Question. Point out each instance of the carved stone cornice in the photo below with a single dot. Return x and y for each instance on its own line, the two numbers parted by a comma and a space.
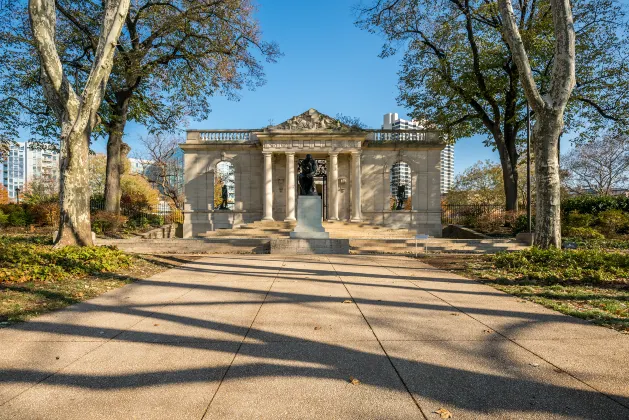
311, 120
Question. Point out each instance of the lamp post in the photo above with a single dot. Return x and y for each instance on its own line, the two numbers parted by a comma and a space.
17, 194
528, 168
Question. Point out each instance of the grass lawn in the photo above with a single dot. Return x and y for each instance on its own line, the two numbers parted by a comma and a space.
35, 278
589, 284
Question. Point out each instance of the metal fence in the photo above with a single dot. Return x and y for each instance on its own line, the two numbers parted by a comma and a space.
471, 215
159, 214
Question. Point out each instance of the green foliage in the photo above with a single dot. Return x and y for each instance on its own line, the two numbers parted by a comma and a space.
478, 184
4, 218
520, 224
551, 265
583, 233
594, 204
19, 217
611, 222
23, 261
574, 219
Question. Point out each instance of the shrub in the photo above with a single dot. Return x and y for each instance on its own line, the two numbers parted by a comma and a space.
520, 224
594, 204
107, 222
19, 217
4, 218
24, 261
611, 222
583, 233
575, 219
45, 213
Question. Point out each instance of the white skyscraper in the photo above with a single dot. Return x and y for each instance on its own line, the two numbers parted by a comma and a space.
23, 164
393, 122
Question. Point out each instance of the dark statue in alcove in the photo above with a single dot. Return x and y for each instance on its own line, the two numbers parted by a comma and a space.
223, 198
401, 197
307, 171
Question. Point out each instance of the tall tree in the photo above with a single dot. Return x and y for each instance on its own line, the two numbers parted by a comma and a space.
549, 112
76, 115
599, 166
458, 72
172, 56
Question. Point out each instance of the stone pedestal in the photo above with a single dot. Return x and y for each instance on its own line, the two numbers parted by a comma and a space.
309, 219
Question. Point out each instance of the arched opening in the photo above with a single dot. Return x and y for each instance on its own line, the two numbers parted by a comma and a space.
401, 187
224, 186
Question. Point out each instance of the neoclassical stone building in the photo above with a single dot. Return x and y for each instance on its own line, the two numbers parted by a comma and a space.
389, 178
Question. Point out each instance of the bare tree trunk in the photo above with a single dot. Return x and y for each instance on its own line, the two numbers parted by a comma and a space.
509, 172
546, 133
114, 171
74, 195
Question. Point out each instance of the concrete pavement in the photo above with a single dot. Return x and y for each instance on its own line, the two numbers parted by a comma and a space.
267, 337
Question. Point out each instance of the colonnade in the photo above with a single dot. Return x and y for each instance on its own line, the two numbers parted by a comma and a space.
333, 187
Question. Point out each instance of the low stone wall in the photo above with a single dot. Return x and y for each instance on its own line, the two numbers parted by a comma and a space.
191, 246
309, 246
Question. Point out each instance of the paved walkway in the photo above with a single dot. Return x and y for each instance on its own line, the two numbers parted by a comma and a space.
266, 337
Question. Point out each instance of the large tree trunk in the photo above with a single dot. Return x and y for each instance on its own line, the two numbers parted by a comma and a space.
509, 163
115, 155
546, 133
113, 171
74, 196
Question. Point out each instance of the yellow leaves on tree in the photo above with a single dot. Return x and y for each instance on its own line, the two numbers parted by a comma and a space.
137, 193
218, 192
4, 195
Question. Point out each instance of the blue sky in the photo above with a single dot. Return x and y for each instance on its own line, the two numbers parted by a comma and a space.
328, 64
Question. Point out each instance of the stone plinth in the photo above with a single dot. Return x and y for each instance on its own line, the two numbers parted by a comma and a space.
309, 219
309, 246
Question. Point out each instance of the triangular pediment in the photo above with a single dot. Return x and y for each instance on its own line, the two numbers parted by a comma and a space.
312, 120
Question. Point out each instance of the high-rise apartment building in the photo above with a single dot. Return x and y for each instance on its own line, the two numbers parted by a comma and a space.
24, 163
393, 122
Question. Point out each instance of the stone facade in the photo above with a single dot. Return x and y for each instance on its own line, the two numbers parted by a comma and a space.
357, 186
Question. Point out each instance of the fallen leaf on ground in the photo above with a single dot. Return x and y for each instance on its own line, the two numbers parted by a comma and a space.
347, 301
443, 413
487, 331
534, 364
353, 381
317, 328
454, 314
155, 325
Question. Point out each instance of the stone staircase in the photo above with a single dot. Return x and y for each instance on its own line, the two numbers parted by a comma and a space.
337, 230
162, 232
434, 245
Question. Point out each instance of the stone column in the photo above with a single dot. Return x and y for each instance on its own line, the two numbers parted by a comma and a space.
268, 186
333, 187
290, 187
356, 216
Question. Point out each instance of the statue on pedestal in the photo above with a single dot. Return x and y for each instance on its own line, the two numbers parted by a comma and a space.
307, 170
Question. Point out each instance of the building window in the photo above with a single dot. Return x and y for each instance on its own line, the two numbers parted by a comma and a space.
401, 187
224, 186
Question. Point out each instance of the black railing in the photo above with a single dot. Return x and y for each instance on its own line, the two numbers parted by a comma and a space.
471, 215
159, 214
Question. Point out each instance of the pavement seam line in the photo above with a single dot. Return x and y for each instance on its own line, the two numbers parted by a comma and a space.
97, 347
510, 339
421, 410
243, 340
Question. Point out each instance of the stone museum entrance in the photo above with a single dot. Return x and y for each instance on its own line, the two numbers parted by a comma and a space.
321, 184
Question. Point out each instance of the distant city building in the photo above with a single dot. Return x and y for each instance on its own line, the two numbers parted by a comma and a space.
393, 122
139, 166
24, 163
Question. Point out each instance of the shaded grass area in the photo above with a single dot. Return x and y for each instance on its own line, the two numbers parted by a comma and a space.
35, 278
588, 284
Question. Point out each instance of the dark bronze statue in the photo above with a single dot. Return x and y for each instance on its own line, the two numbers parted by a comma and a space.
307, 169
223, 198
401, 197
